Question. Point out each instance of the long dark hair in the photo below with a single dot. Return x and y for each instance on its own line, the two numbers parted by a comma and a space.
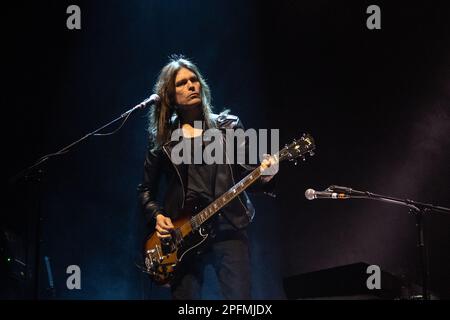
160, 124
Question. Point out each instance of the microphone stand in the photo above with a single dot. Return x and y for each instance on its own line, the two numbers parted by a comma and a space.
418, 209
35, 173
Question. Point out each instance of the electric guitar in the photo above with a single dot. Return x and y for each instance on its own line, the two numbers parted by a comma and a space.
162, 256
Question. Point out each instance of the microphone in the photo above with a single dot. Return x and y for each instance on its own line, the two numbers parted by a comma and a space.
154, 98
312, 194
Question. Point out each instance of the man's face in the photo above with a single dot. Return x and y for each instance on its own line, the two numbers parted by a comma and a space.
187, 88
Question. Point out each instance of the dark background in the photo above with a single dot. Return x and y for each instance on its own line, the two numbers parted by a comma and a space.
376, 101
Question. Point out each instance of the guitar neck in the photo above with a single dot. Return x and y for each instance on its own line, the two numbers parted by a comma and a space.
296, 149
224, 199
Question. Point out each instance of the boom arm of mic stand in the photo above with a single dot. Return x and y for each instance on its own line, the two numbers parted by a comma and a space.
414, 205
26, 172
373, 196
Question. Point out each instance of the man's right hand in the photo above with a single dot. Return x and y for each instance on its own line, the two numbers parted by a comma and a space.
163, 225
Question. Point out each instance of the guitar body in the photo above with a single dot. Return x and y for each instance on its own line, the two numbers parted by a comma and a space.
163, 257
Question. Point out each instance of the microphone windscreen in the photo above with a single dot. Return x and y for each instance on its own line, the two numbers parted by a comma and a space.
155, 98
309, 194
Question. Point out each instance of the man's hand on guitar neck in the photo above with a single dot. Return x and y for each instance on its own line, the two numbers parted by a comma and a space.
270, 167
163, 225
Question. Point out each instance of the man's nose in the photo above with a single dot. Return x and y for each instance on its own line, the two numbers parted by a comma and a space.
191, 85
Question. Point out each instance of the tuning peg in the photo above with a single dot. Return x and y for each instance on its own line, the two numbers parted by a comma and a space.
295, 163
303, 158
311, 153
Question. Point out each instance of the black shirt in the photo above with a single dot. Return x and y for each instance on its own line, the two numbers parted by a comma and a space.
201, 177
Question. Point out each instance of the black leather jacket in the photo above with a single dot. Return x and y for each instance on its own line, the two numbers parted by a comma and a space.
159, 170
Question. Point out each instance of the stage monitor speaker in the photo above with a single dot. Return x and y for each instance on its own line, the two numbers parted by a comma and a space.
347, 282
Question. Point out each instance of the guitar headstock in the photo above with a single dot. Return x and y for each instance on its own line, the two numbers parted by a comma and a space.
299, 148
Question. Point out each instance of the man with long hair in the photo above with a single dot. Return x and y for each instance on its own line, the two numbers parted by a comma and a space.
185, 98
